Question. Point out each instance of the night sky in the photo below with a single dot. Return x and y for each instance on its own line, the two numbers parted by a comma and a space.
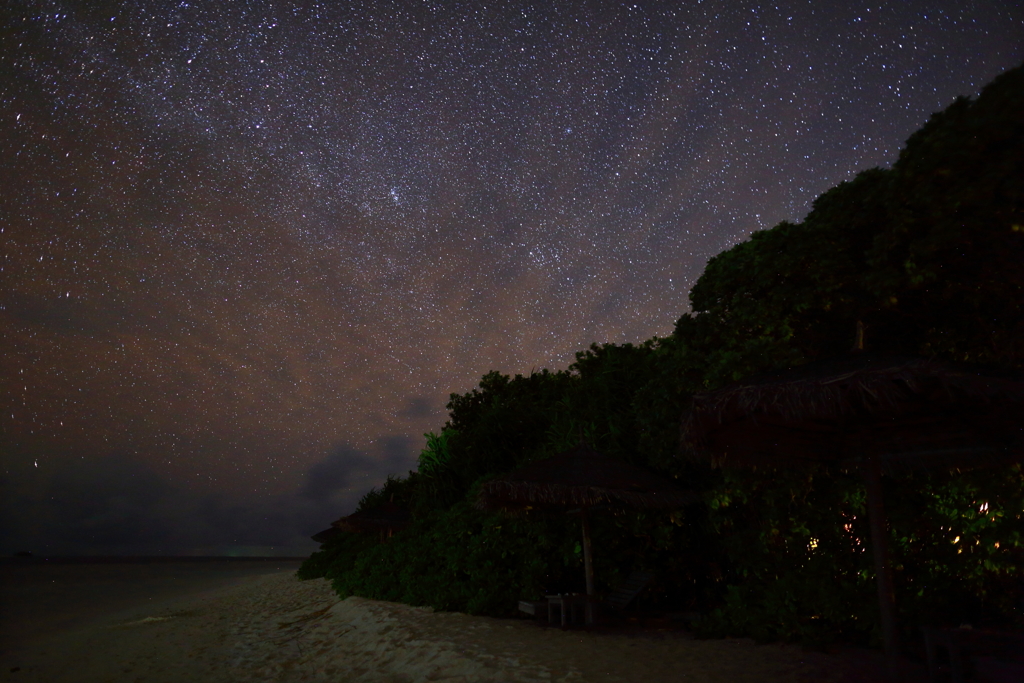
247, 250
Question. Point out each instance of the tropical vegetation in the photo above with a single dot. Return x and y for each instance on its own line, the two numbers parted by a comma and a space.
925, 254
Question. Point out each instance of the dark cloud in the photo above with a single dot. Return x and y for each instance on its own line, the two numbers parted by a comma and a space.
65, 315
326, 478
113, 502
398, 452
108, 505
120, 505
418, 406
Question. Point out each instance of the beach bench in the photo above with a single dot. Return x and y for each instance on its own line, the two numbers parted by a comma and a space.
569, 605
534, 608
620, 598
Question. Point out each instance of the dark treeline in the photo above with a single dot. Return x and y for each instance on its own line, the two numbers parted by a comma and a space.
928, 255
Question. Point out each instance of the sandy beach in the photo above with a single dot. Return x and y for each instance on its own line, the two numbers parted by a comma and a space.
272, 627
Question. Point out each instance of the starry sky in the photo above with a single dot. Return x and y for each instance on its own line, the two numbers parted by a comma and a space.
248, 249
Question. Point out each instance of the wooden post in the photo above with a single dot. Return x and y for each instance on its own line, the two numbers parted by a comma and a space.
883, 567
588, 566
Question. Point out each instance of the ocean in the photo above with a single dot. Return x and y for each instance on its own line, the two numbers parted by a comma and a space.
42, 596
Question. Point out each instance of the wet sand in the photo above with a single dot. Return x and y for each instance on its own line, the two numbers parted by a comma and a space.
272, 627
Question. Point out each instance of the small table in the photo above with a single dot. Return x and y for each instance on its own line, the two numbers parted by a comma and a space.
567, 603
961, 642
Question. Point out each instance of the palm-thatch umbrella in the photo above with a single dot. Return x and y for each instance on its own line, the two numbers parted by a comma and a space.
385, 518
581, 478
869, 412
326, 535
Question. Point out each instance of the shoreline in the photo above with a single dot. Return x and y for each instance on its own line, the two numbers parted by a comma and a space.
44, 598
14, 561
272, 627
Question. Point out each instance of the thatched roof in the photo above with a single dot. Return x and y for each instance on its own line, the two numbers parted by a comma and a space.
384, 517
581, 477
912, 412
325, 535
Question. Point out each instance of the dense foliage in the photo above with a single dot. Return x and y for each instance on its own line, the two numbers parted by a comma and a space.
926, 255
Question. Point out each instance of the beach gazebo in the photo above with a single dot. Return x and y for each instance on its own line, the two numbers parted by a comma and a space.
578, 480
871, 413
385, 519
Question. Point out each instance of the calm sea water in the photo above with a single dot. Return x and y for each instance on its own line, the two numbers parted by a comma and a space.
39, 597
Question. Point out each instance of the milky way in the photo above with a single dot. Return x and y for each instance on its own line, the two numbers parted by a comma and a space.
248, 249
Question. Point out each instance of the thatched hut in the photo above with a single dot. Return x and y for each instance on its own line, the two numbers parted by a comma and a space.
326, 535
385, 519
866, 412
581, 478
915, 413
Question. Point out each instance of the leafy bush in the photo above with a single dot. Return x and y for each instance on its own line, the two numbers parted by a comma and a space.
337, 555
800, 566
462, 559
